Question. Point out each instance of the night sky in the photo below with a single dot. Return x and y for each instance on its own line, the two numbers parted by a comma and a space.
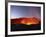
25, 11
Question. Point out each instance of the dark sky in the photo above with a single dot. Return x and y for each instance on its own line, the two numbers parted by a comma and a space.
25, 11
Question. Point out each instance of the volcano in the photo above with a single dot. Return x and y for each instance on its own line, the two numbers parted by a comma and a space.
26, 21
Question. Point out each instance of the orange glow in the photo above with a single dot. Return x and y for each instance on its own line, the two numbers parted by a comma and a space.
27, 21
